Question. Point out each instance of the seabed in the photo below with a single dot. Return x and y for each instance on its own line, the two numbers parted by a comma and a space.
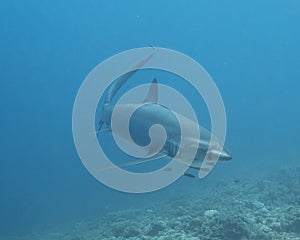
236, 209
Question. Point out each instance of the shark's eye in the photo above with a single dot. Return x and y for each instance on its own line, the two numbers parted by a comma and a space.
212, 155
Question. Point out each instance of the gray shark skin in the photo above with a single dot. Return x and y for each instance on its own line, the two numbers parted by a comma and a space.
151, 113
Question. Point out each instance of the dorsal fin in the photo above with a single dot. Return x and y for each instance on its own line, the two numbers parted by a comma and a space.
152, 96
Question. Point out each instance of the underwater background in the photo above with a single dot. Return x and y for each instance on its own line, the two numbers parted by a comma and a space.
251, 50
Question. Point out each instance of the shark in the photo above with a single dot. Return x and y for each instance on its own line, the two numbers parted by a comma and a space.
151, 112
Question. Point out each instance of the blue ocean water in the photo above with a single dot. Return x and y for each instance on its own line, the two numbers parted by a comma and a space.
250, 48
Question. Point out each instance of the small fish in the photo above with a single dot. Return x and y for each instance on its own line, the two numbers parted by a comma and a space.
236, 181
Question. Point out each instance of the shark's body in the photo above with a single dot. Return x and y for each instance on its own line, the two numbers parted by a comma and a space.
151, 113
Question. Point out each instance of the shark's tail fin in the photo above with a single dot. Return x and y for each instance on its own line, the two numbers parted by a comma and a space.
119, 82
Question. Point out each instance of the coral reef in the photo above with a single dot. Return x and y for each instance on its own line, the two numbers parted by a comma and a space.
240, 209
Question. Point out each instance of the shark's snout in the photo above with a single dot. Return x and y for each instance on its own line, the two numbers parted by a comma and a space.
225, 155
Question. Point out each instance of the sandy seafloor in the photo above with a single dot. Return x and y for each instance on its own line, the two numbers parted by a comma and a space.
251, 208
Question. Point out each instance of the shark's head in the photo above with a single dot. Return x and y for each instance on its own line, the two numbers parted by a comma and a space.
224, 155
217, 150
212, 147
211, 151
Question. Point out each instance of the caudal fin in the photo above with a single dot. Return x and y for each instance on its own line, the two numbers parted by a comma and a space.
119, 82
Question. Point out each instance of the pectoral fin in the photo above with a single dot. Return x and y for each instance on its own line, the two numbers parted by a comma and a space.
136, 162
189, 175
141, 160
